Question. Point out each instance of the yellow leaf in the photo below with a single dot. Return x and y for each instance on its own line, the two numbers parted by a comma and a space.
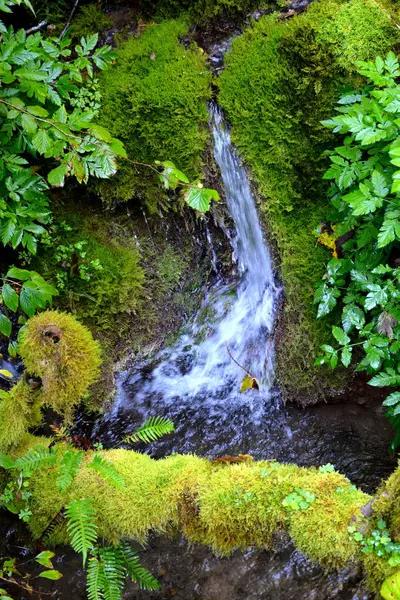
249, 383
6, 373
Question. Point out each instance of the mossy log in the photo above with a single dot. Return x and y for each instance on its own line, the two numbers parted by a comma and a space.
224, 506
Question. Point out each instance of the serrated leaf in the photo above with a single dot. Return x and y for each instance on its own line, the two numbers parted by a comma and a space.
5, 325
340, 335
56, 177
10, 297
200, 198
392, 399
28, 123
346, 356
42, 141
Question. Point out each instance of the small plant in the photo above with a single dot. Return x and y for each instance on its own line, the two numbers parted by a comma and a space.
328, 468
299, 500
378, 542
151, 431
10, 573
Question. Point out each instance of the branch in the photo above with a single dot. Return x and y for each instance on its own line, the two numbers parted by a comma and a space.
70, 19
36, 27
238, 364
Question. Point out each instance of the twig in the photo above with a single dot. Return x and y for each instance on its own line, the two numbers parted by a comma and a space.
36, 27
68, 23
238, 364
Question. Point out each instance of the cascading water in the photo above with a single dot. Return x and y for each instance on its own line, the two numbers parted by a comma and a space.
197, 377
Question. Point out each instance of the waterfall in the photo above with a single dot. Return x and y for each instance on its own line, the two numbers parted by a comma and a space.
195, 382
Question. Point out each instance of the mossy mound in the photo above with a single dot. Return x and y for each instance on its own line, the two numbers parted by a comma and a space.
60, 351
154, 100
281, 79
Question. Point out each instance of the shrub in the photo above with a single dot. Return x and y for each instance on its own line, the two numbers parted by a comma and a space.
280, 81
60, 351
155, 98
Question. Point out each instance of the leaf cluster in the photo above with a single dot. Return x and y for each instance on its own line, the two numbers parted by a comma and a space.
362, 287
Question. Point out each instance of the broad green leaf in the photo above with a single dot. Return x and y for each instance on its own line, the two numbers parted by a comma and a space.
346, 356
42, 141
28, 123
352, 316
390, 589
21, 274
44, 558
56, 177
5, 325
200, 198
10, 297
53, 575
6, 462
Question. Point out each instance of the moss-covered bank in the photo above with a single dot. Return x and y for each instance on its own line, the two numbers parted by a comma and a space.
154, 100
281, 79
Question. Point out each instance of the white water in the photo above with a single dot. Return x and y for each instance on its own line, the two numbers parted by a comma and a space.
198, 370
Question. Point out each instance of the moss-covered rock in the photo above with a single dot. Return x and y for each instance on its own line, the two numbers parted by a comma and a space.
281, 79
19, 410
154, 100
60, 351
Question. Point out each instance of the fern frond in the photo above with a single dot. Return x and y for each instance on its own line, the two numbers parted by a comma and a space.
35, 459
151, 431
114, 572
95, 579
81, 525
106, 469
69, 466
134, 569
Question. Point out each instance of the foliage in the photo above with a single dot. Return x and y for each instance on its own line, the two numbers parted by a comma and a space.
379, 543
81, 526
151, 431
276, 114
106, 469
298, 500
154, 110
22, 292
10, 572
69, 467
60, 351
38, 80
89, 19
365, 201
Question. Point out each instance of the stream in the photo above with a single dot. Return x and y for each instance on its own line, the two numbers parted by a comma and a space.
196, 383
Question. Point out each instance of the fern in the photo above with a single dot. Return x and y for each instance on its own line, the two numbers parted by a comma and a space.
36, 459
106, 469
134, 569
151, 431
114, 572
81, 525
95, 579
69, 467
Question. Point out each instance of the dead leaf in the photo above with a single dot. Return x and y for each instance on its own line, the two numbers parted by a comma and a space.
153, 56
249, 383
386, 323
234, 459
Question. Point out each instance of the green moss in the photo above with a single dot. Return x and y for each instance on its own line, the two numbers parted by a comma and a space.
90, 19
60, 351
18, 412
281, 79
201, 11
223, 506
154, 100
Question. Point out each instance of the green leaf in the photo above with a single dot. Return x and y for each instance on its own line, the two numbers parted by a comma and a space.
28, 123
69, 467
390, 589
392, 399
107, 470
53, 575
5, 325
81, 525
22, 274
10, 297
200, 198
56, 177
346, 356
388, 378
42, 141
352, 316
151, 431
44, 558
340, 336
6, 462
